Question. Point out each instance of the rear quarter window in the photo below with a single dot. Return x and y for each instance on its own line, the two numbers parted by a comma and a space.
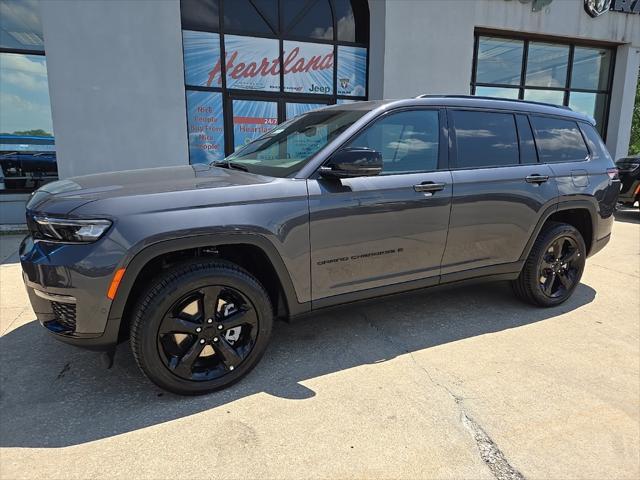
485, 139
595, 143
558, 140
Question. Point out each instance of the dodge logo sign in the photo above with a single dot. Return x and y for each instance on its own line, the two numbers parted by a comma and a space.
596, 8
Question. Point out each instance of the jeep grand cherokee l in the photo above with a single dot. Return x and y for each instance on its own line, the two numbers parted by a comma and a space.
193, 263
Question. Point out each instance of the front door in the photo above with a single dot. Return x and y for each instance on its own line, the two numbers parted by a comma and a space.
370, 232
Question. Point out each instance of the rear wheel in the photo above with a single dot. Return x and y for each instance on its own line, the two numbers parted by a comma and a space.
201, 327
554, 266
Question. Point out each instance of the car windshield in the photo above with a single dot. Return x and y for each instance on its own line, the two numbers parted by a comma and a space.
285, 149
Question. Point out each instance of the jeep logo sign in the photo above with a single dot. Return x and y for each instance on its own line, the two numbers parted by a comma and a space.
595, 8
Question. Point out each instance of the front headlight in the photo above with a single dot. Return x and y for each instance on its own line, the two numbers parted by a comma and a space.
64, 230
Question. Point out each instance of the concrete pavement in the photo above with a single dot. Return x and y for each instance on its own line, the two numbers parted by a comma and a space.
458, 382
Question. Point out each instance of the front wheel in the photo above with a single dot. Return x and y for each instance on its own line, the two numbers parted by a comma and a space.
201, 327
554, 266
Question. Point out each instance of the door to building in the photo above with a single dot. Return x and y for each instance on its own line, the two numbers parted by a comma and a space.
253, 116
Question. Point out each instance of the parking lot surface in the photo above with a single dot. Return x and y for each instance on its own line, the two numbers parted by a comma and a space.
455, 382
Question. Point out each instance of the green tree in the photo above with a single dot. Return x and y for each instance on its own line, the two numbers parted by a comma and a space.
34, 133
634, 144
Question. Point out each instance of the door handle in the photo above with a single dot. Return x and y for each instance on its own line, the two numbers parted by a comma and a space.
535, 178
429, 187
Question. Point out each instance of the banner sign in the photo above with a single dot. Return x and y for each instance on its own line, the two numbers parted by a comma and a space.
206, 126
201, 53
352, 71
252, 119
252, 63
294, 109
308, 67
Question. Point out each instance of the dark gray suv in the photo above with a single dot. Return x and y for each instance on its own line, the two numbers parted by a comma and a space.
349, 202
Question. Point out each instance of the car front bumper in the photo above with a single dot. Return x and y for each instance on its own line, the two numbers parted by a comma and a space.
67, 286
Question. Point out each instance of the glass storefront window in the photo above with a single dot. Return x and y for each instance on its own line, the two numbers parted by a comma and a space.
206, 126
499, 61
308, 68
252, 119
273, 58
317, 22
592, 104
352, 71
293, 109
201, 58
501, 92
27, 145
252, 63
559, 73
555, 97
547, 65
20, 26
591, 68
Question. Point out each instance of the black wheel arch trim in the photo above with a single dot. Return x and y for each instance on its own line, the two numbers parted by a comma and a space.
135, 265
558, 207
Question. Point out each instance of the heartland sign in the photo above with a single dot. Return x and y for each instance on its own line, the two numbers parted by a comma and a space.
595, 8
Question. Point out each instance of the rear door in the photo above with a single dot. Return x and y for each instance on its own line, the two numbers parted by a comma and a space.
370, 232
499, 189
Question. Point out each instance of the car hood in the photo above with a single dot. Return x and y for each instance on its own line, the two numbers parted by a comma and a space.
63, 196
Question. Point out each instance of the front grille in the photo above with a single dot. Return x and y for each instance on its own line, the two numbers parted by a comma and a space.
65, 314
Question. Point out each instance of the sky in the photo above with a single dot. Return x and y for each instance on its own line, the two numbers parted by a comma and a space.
24, 93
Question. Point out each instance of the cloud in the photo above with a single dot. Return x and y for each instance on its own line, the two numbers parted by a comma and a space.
23, 72
19, 113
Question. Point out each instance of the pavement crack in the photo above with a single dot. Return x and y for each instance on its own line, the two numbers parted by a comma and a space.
492, 456
489, 452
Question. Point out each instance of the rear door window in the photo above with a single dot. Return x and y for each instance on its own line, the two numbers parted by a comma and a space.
485, 139
558, 140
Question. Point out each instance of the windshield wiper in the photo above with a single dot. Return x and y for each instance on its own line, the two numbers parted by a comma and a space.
225, 164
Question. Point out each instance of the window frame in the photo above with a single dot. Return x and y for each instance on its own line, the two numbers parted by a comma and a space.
577, 123
566, 90
47, 178
443, 140
281, 36
453, 139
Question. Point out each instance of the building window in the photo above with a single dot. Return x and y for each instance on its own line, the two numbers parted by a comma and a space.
557, 72
233, 51
27, 149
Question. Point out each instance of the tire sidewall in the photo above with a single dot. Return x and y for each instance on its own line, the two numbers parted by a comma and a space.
163, 294
549, 237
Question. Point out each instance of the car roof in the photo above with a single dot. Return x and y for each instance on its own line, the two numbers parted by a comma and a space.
469, 101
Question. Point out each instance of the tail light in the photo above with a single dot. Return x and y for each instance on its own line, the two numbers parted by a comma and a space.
613, 173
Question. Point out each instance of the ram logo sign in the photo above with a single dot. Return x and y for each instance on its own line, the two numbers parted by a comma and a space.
595, 8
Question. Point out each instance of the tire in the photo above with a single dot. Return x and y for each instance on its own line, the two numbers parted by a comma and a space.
187, 331
550, 275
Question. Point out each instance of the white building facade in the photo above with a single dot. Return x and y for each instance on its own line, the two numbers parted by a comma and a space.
136, 83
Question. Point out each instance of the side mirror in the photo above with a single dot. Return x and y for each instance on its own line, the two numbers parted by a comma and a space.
353, 162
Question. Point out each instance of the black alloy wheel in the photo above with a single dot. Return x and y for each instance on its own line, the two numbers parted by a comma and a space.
201, 326
554, 266
559, 267
207, 333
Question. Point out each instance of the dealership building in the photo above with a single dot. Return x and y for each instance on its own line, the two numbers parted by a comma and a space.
95, 86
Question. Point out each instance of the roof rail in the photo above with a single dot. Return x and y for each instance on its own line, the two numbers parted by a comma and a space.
425, 95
